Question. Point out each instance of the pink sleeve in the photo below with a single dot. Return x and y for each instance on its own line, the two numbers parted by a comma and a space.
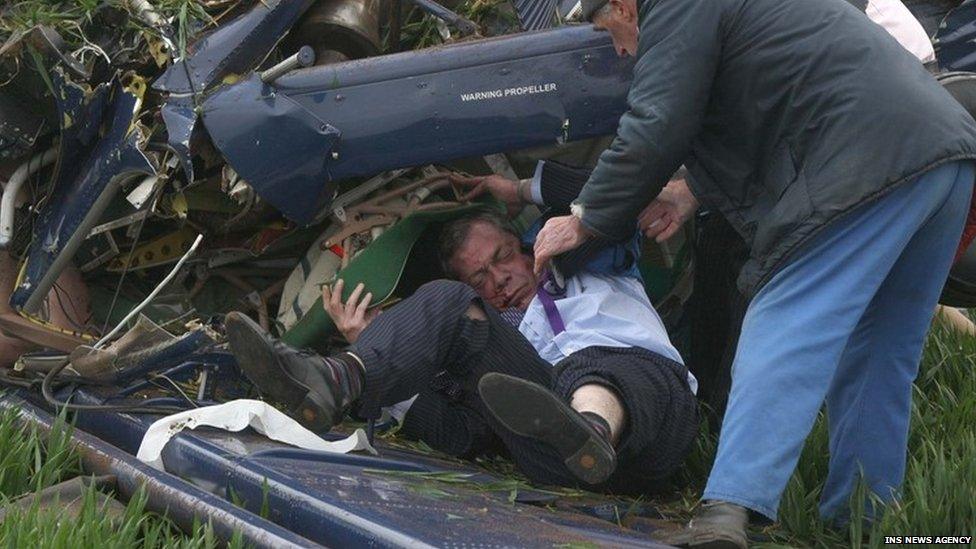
895, 18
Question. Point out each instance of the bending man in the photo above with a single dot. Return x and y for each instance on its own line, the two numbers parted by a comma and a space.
847, 170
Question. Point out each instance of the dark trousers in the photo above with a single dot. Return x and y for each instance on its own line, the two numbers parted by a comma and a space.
716, 310
426, 346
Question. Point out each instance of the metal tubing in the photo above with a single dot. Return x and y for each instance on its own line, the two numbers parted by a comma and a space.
180, 501
305, 57
10, 192
159, 287
36, 300
465, 26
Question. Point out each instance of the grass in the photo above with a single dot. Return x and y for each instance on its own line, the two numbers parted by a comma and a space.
30, 462
420, 29
939, 494
73, 20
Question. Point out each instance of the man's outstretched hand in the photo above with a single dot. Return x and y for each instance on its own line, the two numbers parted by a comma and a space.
352, 317
665, 215
560, 234
504, 190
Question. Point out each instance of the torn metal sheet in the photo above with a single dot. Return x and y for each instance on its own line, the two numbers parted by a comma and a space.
91, 169
234, 48
181, 120
266, 125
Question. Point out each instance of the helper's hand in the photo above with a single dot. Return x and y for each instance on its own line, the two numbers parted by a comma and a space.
504, 190
352, 317
662, 218
560, 234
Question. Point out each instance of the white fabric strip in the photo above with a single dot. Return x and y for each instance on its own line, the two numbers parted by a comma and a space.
236, 416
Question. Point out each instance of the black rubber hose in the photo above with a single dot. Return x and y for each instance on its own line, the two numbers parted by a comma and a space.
51, 399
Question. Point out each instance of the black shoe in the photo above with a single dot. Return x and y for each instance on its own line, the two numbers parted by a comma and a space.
300, 380
530, 410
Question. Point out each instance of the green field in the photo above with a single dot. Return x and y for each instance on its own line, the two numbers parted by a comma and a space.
939, 494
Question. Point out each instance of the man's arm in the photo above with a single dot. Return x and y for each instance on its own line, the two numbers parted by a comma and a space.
553, 185
557, 185
678, 54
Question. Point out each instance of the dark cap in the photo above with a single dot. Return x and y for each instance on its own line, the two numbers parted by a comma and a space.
589, 7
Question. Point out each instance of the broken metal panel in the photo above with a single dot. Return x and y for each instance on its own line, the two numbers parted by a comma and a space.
147, 350
452, 102
180, 120
276, 145
236, 47
87, 180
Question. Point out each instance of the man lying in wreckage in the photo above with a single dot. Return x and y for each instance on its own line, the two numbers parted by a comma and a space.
587, 390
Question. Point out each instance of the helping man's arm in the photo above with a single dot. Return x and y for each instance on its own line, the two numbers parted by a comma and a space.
677, 58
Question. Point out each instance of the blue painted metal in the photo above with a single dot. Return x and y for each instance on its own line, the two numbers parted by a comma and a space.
180, 119
235, 47
141, 363
415, 108
90, 172
377, 501
954, 42
220, 364
293, 146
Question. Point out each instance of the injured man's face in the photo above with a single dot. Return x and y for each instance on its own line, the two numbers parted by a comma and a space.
492, 262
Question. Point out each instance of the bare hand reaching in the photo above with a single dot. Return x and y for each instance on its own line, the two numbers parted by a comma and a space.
497, 186
558, 235
352, 317
665, 215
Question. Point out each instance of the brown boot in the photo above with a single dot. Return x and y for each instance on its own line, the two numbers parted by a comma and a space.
718, 525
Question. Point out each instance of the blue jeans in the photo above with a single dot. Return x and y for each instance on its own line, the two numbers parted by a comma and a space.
845, 321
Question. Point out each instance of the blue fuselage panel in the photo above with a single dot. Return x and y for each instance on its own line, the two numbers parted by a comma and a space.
292, 140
